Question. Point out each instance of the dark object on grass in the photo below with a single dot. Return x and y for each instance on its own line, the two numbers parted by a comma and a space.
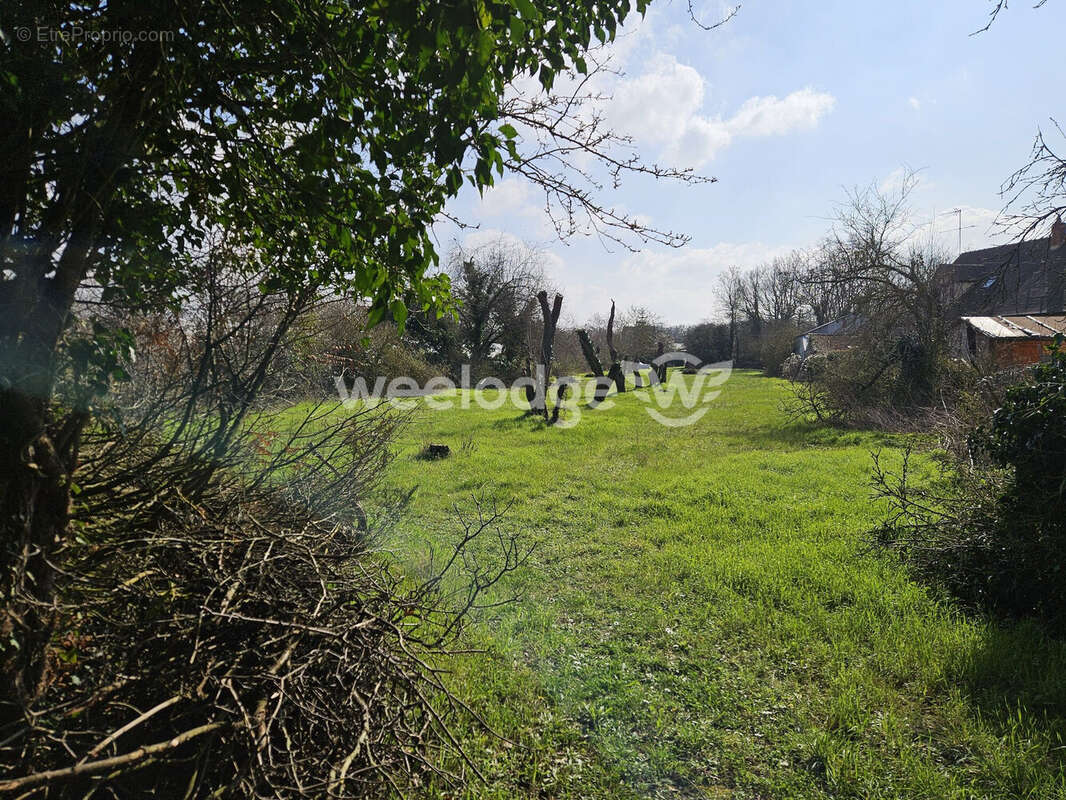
603, 387
660, 365
560, 396
432, 452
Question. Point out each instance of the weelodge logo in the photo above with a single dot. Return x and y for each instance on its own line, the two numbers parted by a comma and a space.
687, 394
694, 395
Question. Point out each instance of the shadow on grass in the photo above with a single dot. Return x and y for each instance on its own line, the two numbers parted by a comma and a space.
1017, 664
525, 419
1015, 679
798, 434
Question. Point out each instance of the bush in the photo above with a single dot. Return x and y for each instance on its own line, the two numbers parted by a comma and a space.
775, 345
792, 367
221, 624
992, 528
844, 387
333, 340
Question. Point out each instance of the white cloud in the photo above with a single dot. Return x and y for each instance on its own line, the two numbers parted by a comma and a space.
510, 196
902, 177
662, 107
770, 116
915, 103
659, 103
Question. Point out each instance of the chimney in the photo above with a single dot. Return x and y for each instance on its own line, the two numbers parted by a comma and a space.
1058, 233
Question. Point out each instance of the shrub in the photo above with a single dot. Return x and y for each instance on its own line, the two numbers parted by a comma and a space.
221, 624
775, 345
992, 528
792, 367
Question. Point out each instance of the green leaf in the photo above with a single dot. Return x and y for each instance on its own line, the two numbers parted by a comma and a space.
526, 9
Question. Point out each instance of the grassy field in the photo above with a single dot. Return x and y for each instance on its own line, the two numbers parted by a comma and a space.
702, 617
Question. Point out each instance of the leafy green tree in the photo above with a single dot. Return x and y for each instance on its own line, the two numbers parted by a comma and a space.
322, 139
709, 341
1028, 433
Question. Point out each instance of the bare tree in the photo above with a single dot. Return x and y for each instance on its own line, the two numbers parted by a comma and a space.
640, 334
1036, 193
730, 294
822, 295
615, 373
751, 298
879, 257
540, 372
781, 287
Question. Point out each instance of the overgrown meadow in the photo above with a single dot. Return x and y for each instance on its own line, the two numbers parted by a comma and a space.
702, 616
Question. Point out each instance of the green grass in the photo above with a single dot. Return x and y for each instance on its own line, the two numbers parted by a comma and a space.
702, 617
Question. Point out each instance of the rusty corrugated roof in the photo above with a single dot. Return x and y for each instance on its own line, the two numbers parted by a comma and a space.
1020, 326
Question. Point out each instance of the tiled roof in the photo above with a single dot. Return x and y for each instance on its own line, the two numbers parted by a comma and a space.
1025, 278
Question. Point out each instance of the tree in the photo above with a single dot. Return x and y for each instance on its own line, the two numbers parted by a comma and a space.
821, 295
1036, 193
781, 287
752, 288
614, 373
640, 334
894, 279
709, 341
731, 295
323, 138
550, 315
495, 288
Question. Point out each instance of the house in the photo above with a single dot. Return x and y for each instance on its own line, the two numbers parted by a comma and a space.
837, 334
1010, 300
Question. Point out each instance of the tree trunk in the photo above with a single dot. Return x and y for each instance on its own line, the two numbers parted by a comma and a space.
551, 319
615, 373
603, 386
659, 368
560, 396
618, 377
610, 336
36, 462
589, 350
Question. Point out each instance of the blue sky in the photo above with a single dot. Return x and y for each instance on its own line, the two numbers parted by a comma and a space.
786, 105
